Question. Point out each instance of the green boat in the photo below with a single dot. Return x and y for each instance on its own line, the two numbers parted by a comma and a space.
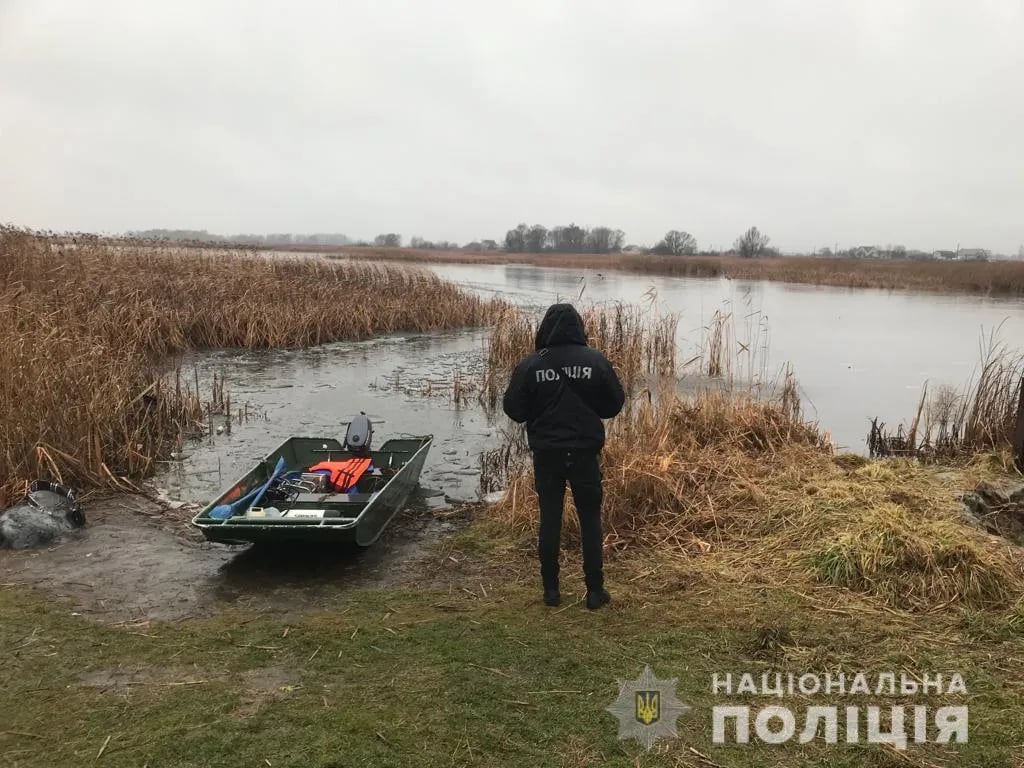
297, 505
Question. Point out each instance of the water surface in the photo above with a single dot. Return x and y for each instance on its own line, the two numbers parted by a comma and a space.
856, 353
312, 392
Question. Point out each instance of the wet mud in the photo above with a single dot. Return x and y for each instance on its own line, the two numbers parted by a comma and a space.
139, 560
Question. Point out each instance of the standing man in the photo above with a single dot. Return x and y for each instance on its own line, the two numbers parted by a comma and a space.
563, 391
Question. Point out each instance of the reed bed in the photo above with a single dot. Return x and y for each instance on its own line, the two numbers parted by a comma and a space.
641, 349
951, 423
991, 278
681, 472
733, 349
86, 329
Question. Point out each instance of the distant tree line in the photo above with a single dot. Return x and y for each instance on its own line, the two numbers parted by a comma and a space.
390, 240
564, 239
573, 239
433, 245
750, 244
202, 236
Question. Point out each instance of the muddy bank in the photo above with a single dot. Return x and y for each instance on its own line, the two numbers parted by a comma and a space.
139, 560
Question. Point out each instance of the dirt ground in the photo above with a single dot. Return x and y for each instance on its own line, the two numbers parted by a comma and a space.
138, 559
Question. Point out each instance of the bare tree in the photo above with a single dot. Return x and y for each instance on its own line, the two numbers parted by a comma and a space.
536, 238
390, 240
677, 243
515, 239
751, 243
604, 240
571, 239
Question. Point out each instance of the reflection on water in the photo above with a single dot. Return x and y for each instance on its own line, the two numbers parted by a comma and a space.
312, 392
857, 353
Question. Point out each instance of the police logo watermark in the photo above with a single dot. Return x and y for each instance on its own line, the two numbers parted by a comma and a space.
647, 708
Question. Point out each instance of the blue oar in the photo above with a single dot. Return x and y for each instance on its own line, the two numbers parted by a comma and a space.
224, 511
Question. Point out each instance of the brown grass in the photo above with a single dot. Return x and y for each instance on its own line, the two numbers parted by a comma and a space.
84, 328
918, 561
742, 488
734, 476
994, 278
681, 473
951, 422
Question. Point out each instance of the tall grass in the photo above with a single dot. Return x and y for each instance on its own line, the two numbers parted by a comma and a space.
86, 328
680, 470
951, 422
733, 349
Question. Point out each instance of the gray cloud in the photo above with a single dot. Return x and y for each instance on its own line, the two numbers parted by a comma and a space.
850, 122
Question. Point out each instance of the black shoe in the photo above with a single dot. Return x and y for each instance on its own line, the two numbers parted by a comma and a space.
552, 597
596, 599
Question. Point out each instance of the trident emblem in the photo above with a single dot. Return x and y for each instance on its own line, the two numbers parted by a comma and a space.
648, 707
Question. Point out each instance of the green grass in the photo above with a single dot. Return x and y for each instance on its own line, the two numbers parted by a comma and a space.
426, 678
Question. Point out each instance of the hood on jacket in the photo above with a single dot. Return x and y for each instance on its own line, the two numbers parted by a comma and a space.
562, 324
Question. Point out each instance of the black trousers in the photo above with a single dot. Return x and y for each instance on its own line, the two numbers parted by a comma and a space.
582, 471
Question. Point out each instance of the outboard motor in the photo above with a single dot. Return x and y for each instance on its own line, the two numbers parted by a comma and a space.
359, 435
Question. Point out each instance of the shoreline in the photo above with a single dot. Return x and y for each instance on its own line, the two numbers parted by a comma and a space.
995, 279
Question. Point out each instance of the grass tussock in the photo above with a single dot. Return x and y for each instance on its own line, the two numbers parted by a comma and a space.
991, 278
917, 562
683, 474
85, 328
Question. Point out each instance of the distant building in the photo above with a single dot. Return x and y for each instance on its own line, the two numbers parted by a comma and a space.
973, 254
943, 254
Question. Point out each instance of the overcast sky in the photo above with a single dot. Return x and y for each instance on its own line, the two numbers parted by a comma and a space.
885, 122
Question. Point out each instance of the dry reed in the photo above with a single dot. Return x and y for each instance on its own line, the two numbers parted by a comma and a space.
85, 328
680, 472
640, 349
948, 423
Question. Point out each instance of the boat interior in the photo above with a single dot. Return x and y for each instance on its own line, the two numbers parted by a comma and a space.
302, 497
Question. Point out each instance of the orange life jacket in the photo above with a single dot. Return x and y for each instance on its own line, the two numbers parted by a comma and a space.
344, 474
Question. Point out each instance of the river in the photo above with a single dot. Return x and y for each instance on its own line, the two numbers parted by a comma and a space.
857, 353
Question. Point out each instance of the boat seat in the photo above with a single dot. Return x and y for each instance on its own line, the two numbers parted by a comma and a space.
333, 498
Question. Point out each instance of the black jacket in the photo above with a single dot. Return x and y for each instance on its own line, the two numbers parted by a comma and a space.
564, 389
